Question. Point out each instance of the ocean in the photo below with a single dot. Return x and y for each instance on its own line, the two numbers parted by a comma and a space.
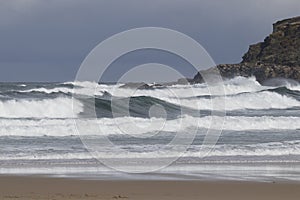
260, 138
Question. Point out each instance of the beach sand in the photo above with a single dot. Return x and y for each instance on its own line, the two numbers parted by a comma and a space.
59, 188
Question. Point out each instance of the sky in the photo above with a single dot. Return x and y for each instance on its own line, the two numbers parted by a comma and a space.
46, 41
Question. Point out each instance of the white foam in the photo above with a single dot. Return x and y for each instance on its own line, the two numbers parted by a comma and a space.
121, 126
284, 148
88, 91
103, 126
48, 108
232, 86
81, 88
87, 84
242, 93
258, 101
262, 149
293, 87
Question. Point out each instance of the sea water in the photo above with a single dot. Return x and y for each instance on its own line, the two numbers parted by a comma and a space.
260, 138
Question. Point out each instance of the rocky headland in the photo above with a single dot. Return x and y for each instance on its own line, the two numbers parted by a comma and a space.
278, 56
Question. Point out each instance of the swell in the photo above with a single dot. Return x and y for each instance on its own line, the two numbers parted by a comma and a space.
138, 126
55, 100
60, 106
233, 86
278, 149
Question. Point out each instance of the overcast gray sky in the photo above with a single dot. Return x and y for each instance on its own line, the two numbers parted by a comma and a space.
46, 40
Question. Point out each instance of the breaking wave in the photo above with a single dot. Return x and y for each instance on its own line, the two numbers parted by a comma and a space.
121, 126
45, 108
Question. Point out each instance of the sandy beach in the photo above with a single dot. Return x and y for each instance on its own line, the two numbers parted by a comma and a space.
58, 188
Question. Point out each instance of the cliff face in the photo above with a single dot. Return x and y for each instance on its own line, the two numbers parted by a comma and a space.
262, 72
277, 56
282, 47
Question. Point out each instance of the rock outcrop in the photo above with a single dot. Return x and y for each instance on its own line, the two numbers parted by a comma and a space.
282, 47
277, 56
261, 71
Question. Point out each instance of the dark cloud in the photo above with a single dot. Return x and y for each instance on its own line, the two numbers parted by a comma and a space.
47, 40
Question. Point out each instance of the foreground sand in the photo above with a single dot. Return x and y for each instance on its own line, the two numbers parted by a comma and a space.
54, 188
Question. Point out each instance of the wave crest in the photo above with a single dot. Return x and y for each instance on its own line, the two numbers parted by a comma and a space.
60, 107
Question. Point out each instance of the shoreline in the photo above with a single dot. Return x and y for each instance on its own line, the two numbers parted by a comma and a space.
258, 172
35, 187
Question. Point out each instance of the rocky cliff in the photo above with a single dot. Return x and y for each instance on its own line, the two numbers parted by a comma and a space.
282, 47
277, 56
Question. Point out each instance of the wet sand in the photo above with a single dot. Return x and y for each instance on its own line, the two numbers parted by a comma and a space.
59, 188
